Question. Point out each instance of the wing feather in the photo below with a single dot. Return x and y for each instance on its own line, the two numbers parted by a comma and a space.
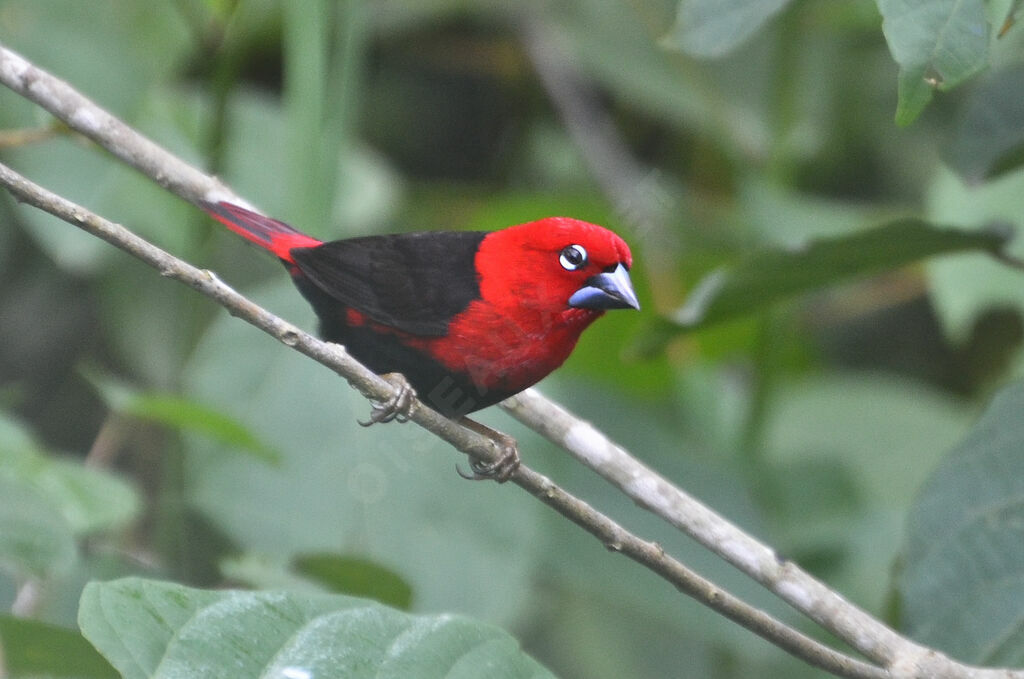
414, 282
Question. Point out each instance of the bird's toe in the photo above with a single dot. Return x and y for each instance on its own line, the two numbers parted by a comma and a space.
399, 407
500, 469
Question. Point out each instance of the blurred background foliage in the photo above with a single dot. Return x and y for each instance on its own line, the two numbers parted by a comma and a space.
144, 432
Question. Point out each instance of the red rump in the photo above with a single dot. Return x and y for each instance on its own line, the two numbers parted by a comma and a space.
469, 318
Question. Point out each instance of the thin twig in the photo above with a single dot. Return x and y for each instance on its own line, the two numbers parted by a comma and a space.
1009, 260
373, 387
784, 578
27, 135
81, 114
108, 441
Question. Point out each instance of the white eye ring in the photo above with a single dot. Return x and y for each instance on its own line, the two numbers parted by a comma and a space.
573, 257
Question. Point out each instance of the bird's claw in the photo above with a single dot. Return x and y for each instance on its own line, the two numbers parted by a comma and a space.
501, 469
398, 408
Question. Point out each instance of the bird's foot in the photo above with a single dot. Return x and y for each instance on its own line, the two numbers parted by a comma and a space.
397, 408
501, 469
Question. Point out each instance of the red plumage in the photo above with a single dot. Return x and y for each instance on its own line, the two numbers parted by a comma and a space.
469, 318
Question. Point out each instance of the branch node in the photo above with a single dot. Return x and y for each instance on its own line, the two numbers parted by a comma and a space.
212, 277
613, 545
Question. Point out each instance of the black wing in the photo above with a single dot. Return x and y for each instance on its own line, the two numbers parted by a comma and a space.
415, 282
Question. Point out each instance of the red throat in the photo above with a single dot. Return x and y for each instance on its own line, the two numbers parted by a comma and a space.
507, 354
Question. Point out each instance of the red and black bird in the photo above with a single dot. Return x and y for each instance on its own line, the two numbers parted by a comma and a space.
468, 318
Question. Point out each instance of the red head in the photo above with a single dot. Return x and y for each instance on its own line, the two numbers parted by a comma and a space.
558, 266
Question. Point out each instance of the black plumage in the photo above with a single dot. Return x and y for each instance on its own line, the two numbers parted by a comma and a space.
394, 280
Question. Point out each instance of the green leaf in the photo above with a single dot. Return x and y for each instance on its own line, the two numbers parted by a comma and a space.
962, 288
35, 539
888, 431
989, 140
88, 499
13, 435
91, 500
713, 28
166, 631
937, 44
962, 584
187, 415
131, 621
781, 215
915, 88
35, 649
180, 413
355, 576
773, 275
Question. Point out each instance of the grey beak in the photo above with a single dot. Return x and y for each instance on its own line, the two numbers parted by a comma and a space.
612, 290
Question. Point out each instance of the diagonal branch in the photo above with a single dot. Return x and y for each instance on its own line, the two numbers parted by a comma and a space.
125, 143
333, 356
902, 657
782, 577
624, 181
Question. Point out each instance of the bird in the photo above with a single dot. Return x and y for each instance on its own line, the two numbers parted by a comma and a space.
459, 319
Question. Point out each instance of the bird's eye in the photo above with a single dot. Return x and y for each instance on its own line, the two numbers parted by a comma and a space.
573, 257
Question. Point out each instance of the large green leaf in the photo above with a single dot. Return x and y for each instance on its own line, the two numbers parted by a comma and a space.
179, 413
35, 540
772, 275
150, 629
961, 288
37, 649
712, 28
188, 415
88, 499
937, 43
355, 576
990, 138
962, 584
46, 501
34, 537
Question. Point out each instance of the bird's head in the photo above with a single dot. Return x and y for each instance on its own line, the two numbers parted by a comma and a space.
557, 265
